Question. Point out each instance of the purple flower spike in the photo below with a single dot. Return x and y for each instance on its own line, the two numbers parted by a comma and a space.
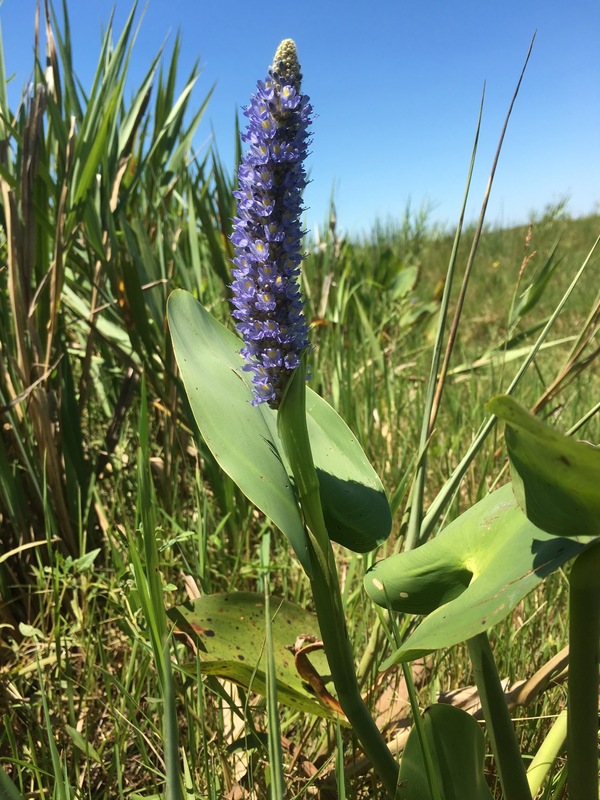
267, 232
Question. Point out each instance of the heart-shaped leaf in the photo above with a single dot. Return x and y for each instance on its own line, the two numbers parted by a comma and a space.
556, 478
457, 748
229, 629
470, 576
245, 442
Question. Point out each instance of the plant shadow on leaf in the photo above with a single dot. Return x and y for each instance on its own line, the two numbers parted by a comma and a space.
555, 477
346, 504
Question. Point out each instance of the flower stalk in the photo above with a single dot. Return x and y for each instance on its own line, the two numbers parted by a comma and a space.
327, 597
267, 237
501, 731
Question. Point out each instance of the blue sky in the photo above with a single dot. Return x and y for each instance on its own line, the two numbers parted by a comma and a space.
396, 88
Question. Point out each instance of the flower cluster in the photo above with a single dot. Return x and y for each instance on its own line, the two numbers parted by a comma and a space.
267, 231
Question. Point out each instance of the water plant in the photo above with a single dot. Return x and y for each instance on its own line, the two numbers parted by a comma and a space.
278, 460
131, 480
466, 579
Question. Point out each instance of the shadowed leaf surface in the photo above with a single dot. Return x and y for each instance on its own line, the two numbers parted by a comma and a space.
556, 479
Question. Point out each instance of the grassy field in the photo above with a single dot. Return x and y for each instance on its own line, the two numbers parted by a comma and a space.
101, 218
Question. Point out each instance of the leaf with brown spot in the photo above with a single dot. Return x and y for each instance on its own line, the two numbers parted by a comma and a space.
228, 631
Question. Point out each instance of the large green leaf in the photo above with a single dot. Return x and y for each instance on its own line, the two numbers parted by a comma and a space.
457, 748
355, 507
470, 576
244, 438
556, 478
230, 632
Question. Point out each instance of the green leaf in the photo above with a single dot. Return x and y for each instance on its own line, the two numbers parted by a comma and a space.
230, 632
404, 282
84, 562
83, 744
89, 154
355, 506
30, 630
243, 438
556, 478
470, 576
245, 441
457, 747
8, 790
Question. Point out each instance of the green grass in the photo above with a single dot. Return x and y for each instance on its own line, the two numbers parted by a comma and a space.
110, 511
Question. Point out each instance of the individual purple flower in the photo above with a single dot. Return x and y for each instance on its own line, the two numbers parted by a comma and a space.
267, 231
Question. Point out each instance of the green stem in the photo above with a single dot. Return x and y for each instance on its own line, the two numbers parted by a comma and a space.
332, 623
547, 753
584, 637
370, 653
325, 585
505, 748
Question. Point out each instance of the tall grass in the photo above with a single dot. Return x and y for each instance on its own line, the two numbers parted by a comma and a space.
107, 504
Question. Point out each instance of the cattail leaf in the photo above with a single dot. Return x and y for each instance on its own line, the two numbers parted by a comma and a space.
556, 478
470, 576
8, 790
203, 203
90, 153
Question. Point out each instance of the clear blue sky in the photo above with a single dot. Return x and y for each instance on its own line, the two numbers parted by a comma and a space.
396, 87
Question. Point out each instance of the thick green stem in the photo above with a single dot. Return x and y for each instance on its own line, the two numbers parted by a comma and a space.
509, 763
332, 622
325, 585
584, 638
